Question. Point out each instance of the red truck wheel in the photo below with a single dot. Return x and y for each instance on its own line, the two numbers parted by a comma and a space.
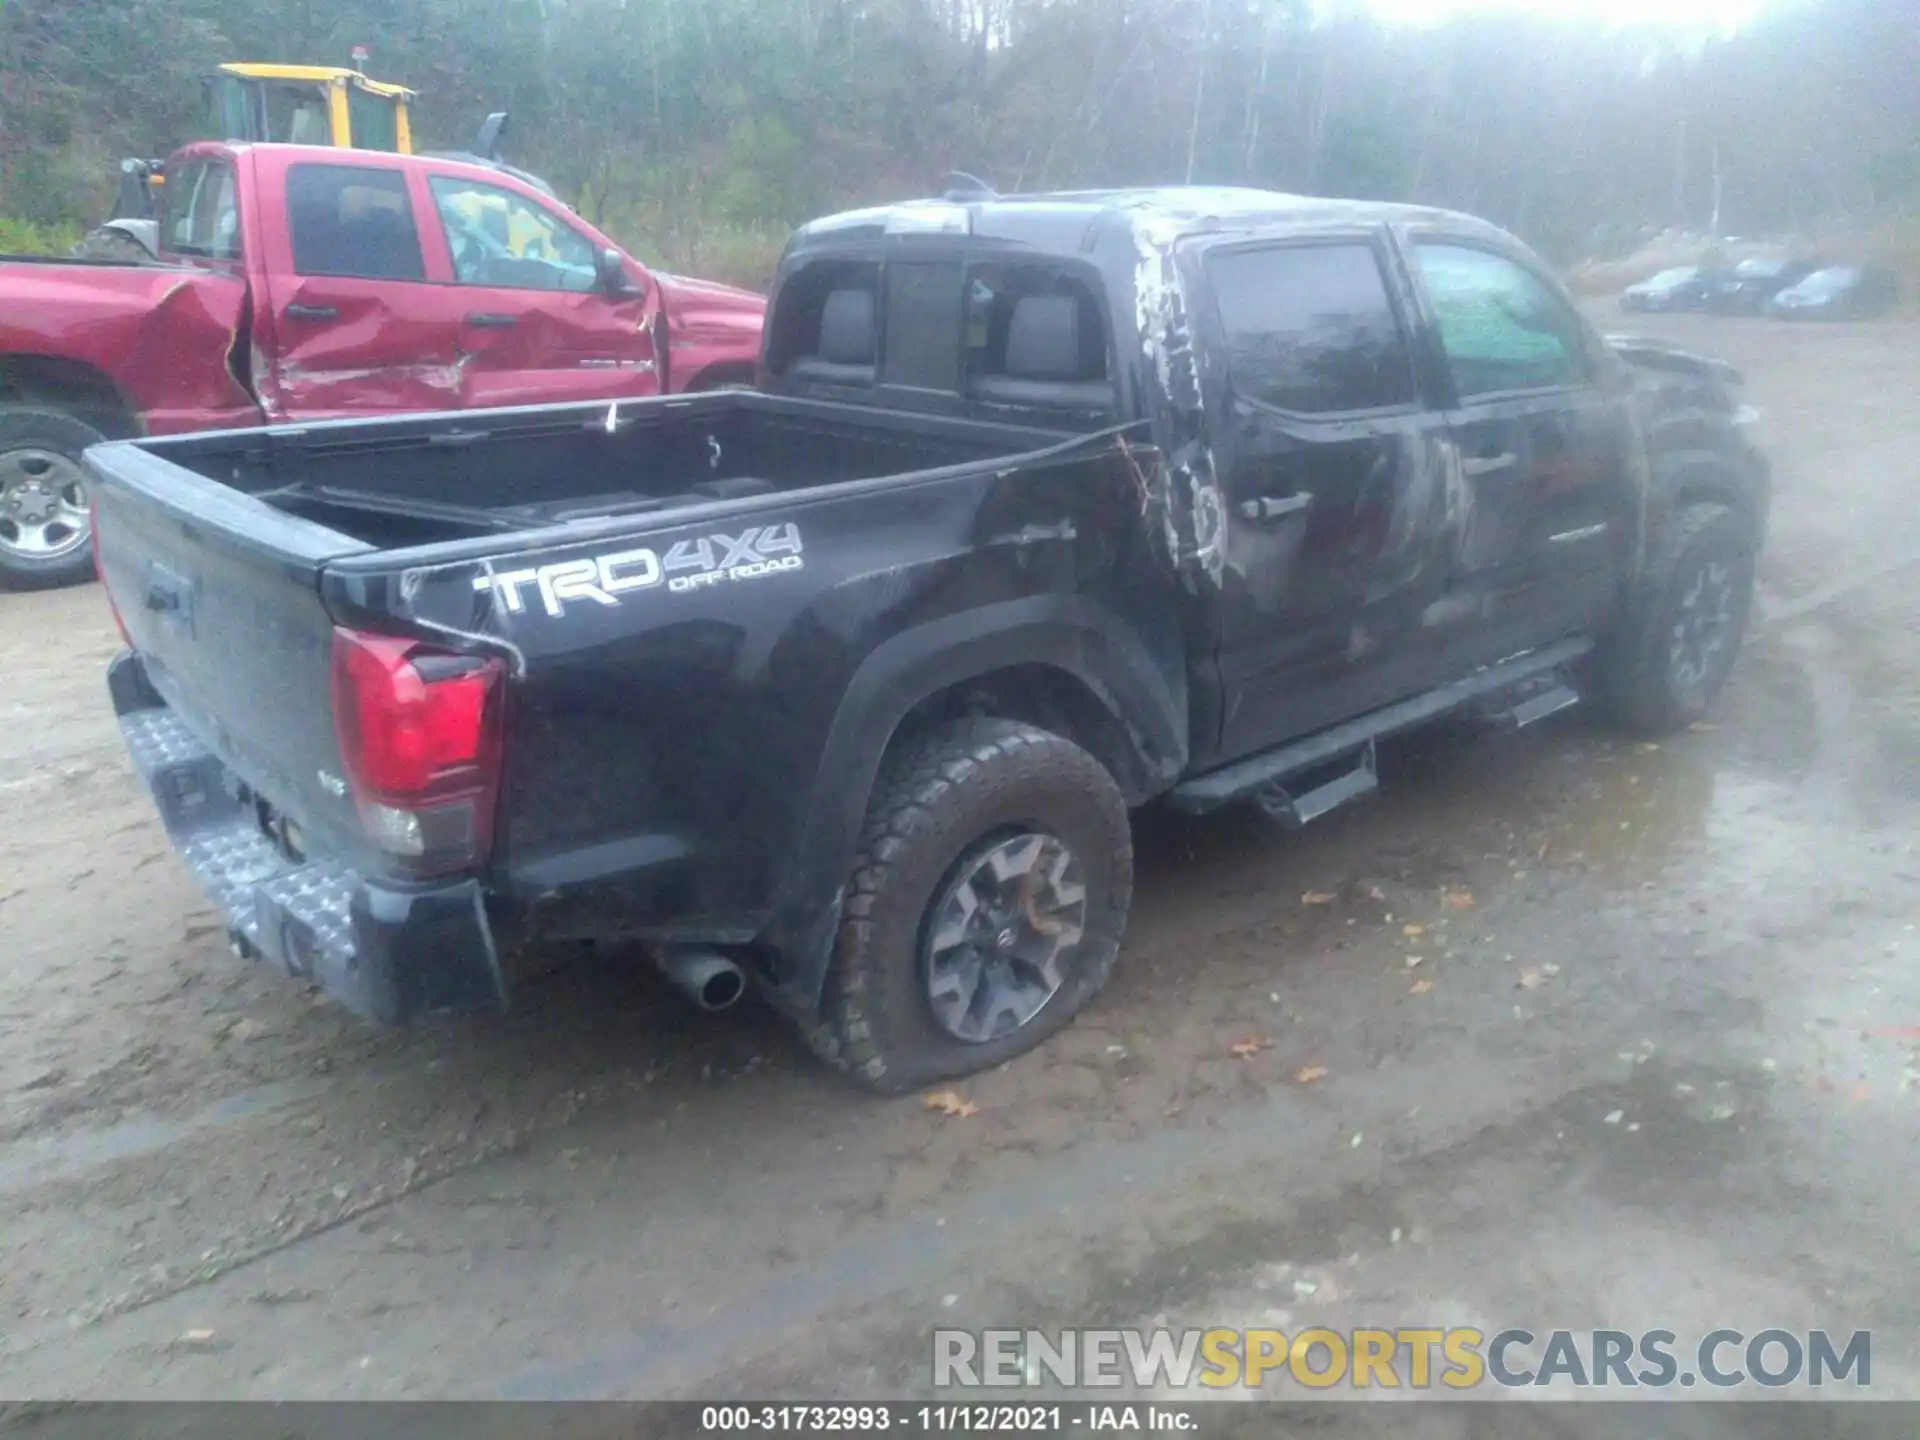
44, 524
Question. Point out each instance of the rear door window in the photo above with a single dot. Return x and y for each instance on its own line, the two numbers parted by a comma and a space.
1310, 329
352, 220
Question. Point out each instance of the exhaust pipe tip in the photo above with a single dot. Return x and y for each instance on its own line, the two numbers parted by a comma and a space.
710, 980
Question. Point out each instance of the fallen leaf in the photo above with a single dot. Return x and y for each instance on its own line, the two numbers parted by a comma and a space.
1413, 930
1317, 897
1307, 1074
948, 1102
1251, 1046
1463, 899
1419, 987
1532, 979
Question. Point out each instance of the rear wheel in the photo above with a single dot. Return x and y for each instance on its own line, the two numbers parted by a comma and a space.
986, 905
44, 522
1665, 665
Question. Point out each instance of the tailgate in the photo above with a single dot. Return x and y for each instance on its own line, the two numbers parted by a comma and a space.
220, 595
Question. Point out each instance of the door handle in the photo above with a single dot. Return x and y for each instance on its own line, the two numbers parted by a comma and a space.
312, 312
1265, 508
483, 321
1477, 465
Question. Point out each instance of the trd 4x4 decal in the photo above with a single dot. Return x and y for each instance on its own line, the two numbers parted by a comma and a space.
696, 564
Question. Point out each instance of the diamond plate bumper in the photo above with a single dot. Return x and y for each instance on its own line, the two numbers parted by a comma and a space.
389, 953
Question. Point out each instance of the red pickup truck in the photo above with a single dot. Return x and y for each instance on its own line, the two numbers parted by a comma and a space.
298, 283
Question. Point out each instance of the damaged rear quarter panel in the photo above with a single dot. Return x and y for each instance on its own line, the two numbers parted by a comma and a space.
164, 336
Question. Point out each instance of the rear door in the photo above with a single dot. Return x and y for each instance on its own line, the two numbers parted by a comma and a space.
352, 326
535, 324
1334, 495
1548, 455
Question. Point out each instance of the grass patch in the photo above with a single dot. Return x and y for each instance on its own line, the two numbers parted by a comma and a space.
26, 237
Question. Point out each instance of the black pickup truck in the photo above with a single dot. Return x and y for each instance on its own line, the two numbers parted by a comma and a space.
842, 689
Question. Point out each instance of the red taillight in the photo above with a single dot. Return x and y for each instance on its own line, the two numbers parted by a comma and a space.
99, 570
419, 735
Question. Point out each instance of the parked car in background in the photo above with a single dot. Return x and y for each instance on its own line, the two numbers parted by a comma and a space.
301, 283
1684, 287
1755, 281
1840, 292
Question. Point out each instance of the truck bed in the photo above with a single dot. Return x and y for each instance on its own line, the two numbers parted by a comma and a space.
654, 580
419, 480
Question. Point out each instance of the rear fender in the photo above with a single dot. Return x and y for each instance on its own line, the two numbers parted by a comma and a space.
1068, 633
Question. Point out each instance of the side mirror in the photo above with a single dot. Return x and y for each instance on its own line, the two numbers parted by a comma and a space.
610, 271
492, 132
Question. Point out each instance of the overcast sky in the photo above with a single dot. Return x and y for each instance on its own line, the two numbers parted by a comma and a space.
1699, 14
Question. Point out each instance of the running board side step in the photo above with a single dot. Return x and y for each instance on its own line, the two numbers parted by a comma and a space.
1550, 698
1294, 811
1272, 767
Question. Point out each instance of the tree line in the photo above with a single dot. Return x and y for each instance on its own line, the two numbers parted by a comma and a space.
699, 131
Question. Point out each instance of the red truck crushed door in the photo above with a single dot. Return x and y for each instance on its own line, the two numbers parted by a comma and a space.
536, 324
352, 324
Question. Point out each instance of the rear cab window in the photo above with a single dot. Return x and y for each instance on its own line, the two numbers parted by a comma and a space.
825, 327
202, 211
946, 333
353, 221
1036, 338
1310, 328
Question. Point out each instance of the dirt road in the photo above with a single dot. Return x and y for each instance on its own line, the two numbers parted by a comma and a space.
1610, 1035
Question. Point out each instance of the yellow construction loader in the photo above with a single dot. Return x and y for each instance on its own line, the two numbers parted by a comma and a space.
281, 104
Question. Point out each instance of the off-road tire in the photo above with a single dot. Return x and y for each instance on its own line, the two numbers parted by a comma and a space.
1635, 671
34, 427
932, 805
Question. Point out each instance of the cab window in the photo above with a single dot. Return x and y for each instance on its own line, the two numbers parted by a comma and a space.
374, 120
499, 238
1310, 329
1501, 326
1035, 337
352, 220
202, 213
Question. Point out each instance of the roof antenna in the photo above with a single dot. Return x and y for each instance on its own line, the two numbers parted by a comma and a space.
962, 186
